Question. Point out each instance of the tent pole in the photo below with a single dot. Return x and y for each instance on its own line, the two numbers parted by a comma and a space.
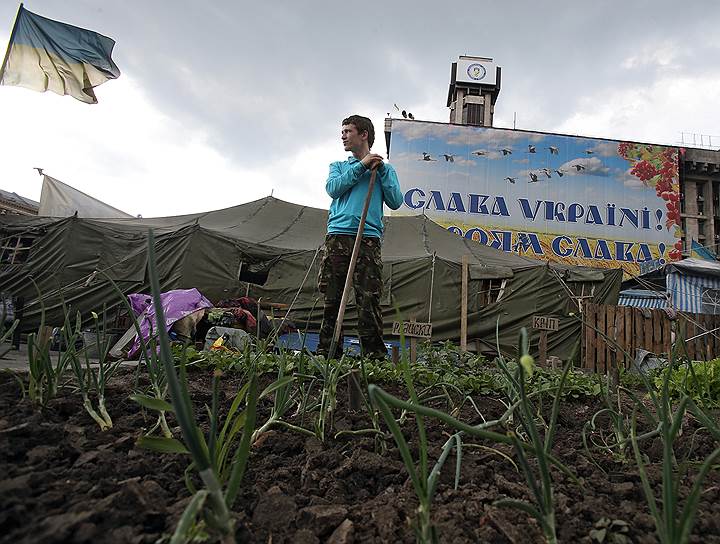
432, 283
464, 304
351, 268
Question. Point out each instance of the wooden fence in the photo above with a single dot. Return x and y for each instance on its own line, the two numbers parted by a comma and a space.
611, 330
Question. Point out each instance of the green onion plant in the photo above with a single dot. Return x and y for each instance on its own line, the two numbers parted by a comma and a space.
674, 519
155, 397
424, 480
541, 485
44, 376
90, 380
212, 503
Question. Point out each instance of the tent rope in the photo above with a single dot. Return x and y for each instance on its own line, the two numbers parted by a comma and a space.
297, 294
565, 286
432, 283
288, 227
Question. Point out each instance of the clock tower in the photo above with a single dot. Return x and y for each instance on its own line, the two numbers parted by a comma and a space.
474, 88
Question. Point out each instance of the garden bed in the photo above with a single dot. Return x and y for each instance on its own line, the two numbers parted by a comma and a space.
63, 480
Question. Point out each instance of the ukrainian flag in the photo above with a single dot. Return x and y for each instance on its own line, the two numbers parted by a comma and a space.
46, 55
699, 252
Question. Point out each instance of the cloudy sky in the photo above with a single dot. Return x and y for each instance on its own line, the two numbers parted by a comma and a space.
222, 102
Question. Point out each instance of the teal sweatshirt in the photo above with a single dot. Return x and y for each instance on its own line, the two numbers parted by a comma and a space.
347, 184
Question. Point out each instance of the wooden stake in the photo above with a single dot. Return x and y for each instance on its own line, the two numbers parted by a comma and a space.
542, 347
413, 350
463, 304
354, 390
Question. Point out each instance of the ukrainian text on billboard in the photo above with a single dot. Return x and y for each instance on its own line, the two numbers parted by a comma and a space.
571, 199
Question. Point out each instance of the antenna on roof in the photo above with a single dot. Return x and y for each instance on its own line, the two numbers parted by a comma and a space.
271, 191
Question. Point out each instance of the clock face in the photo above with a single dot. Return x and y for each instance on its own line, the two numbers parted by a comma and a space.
476, 71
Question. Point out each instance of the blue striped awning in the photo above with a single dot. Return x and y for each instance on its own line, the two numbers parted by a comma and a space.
641, 298
694, 294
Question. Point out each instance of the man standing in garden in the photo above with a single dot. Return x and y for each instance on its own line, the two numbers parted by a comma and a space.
347, 184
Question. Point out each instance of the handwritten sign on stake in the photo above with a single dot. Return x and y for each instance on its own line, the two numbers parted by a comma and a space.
412, 328
545, 323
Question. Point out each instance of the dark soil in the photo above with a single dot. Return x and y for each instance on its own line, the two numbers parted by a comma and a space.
63, 480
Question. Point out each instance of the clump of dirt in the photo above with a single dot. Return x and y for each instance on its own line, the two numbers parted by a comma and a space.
63, 480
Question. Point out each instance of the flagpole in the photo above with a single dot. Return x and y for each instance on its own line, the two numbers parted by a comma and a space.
10, 43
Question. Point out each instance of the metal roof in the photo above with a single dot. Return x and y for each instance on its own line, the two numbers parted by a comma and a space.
17, 199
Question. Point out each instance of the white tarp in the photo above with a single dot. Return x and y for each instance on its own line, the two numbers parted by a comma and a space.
58, 199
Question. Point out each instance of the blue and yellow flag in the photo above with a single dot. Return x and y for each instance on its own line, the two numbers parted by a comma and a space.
699, 252
46, 55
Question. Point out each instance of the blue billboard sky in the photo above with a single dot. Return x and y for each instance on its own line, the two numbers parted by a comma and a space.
545, 183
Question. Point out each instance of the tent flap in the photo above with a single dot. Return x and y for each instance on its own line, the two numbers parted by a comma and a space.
269, 249
482, 272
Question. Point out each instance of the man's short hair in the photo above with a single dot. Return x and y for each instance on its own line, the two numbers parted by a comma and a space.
362, 124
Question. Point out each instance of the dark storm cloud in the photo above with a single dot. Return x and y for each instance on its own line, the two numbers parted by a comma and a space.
262, 79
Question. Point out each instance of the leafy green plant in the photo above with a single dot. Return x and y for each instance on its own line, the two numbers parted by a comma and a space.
673, 522
90, 380
700, 380
330, 375
374, 415
541, 486
424, 481
614, 443
158, 390
44, 377
419, 476
212, 503
154, 398
285, 396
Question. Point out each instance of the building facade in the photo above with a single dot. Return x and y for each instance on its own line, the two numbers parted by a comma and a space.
14, 204
700, 197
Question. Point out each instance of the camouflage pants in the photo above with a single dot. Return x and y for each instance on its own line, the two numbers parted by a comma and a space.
367, 281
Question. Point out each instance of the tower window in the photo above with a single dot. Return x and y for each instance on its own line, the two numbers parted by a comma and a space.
473, 114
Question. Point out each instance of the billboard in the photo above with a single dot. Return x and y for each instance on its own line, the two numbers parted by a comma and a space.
571, 199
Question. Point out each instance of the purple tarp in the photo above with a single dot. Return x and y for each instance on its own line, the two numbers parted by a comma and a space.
176, 305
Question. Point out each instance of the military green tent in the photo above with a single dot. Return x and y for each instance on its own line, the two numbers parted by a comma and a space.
270, 249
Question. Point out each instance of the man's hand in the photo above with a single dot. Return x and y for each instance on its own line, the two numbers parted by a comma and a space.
371, 161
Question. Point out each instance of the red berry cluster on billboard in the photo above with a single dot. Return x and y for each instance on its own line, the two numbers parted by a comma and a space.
657, 167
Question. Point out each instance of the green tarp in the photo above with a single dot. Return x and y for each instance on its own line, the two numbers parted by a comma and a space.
269, 248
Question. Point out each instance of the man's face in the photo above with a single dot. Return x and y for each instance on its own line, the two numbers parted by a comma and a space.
351, 139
